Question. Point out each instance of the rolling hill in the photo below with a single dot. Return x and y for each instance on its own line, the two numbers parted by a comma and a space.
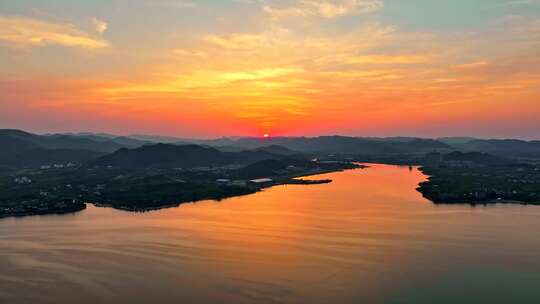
177, 156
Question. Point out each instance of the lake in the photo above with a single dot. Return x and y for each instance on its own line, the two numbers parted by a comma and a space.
368, 237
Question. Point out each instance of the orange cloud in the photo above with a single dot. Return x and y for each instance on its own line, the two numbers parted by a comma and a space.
279, 77
22, 31
472, 65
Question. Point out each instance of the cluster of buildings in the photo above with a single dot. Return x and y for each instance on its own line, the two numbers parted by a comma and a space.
243, 183
22, 180
41, 206
58, 166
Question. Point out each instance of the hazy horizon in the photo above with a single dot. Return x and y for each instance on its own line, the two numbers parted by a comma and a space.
127, 134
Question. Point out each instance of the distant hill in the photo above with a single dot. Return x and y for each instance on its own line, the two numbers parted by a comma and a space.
456, 140
374, 146
340, 144
265, 167
262, 168
26, 150
14, 141
279, 150
162, 155
475, 157
23, 149
503, 147
157, 139
24, 140
177, 156
123, 141
227, 148
34, 158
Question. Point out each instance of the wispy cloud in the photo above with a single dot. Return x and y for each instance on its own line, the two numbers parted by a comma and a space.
472, 65
100, 25
260, 74
324, 9
23, 31
387, 59
172, 3
514, 3
248, 41
236, 41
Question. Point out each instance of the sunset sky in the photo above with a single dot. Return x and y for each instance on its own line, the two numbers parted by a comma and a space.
211, 68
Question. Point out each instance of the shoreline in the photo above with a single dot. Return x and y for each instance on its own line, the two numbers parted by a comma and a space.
45, 212
424, 187
295, 179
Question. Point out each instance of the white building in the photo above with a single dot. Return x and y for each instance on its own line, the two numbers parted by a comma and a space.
261, 180
22, 180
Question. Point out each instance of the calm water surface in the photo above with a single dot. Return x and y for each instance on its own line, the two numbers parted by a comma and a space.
368, 237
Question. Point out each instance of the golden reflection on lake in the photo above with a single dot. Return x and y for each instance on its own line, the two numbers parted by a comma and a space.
367, 237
